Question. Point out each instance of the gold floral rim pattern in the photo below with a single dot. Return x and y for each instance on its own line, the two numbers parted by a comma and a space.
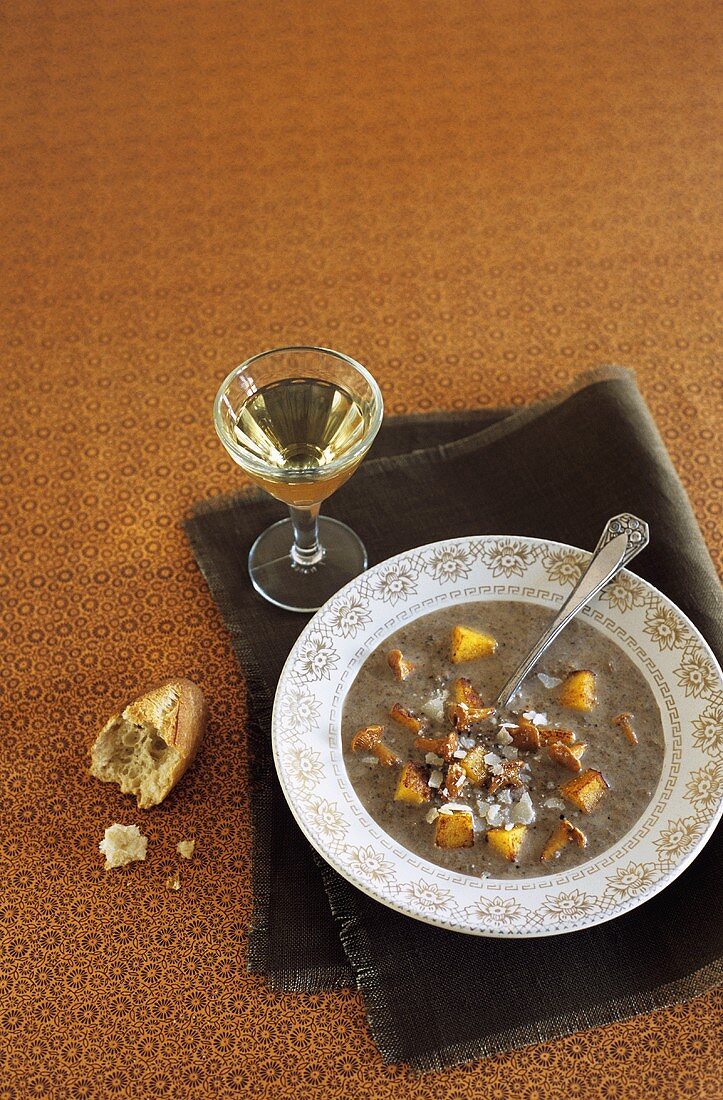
668, 649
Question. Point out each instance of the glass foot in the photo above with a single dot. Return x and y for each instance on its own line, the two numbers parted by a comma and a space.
279, 580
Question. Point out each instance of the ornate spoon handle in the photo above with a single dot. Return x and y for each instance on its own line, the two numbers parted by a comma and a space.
624, 536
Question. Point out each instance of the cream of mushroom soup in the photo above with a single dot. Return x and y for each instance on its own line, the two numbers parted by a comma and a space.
538, 789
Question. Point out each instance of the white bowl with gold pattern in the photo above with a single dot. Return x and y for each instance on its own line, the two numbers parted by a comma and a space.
677, 663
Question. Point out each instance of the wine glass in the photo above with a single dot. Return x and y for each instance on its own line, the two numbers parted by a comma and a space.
299, 420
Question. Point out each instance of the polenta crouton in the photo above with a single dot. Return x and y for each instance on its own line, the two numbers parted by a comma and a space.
586, 790
413, 786
507, 842
578, 690
455, 830
468, 645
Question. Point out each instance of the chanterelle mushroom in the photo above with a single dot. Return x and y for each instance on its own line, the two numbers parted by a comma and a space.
525, 735
406, 718
442, 746
369, 740
399, 664
568, 756
624, 722
462, 715
454, 781
508, 777
564, 833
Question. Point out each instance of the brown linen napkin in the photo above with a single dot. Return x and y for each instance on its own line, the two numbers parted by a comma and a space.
556, 470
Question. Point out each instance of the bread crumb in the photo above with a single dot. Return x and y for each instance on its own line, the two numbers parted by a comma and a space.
173, 882
122, 844
185, 848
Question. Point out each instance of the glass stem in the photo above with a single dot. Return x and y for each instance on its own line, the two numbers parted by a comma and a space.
306, 550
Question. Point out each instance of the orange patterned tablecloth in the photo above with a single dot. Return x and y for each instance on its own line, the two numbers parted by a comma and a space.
477, 201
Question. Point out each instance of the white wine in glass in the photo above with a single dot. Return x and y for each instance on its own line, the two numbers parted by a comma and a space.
299, 420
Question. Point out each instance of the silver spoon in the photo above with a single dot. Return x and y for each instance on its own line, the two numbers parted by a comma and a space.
624, 536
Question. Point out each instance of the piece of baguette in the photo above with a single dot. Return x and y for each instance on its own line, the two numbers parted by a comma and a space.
148, 746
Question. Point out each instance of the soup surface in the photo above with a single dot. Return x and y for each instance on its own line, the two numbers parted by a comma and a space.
534, 794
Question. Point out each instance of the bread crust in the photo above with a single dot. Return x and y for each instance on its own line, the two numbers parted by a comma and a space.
177, 710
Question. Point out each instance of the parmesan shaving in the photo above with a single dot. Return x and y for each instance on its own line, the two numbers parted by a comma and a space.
535, 718
495, 815
523, 812
554, 804
434, 707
